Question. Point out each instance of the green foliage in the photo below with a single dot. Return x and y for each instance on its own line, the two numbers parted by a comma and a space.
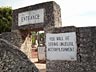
33, 37
5, 19
41, 35
33, 40
41, 38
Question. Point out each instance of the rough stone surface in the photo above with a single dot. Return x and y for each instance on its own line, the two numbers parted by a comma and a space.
12, 37
16, 39
86, 51
13, 60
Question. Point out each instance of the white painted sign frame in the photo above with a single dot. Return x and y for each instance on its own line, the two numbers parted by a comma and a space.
31, 17
65, 48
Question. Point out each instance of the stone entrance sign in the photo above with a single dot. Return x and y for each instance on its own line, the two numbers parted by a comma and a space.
61, 46
31, 17
37, 17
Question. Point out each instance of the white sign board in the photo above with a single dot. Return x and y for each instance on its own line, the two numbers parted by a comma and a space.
31, 17
61, 46
41, 53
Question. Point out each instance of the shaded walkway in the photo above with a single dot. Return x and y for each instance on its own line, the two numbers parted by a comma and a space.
40, 65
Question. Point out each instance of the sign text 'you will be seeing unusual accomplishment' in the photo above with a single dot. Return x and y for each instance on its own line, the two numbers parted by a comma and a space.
61, 46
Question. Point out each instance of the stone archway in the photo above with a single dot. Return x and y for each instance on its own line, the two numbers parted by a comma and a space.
43, 16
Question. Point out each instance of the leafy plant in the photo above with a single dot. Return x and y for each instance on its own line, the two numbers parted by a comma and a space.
5, 19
